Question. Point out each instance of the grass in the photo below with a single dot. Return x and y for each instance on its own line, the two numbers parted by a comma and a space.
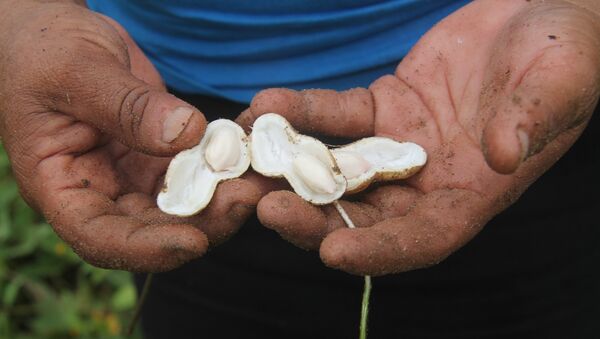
46, 291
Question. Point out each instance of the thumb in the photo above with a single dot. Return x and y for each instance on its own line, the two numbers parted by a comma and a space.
94, 83
557, 93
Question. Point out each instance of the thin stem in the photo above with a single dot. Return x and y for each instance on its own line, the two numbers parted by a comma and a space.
140, 304
343, 214
364, 310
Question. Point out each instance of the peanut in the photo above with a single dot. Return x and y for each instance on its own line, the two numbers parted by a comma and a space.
223, 150
352, 164
314, 173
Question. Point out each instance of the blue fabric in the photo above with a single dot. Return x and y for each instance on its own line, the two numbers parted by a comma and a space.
234, 48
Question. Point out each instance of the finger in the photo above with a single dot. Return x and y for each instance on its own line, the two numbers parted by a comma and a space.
138, 172
543, 83
296, 220
392, 200
146, 119
233, 203
341, 114
361, 214
76, 195
545, 104
306, 225
89, 222
93, 82
439, 223
264, 184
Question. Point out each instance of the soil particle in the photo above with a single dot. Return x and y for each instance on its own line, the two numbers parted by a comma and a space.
284, 202
516, 99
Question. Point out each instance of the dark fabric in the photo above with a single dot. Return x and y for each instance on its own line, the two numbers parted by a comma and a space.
533, 272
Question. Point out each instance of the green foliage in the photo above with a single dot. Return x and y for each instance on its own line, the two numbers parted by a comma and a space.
46, 291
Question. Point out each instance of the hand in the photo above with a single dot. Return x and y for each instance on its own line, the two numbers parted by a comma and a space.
495, 93
89, 128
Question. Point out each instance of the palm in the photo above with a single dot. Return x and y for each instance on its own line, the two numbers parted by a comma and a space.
494, 84
129, 171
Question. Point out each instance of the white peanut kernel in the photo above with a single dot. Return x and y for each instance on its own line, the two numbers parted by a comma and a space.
314, 173
352, 164
223, 150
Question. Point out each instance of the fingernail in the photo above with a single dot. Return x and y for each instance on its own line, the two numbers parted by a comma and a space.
175, 123
524, 140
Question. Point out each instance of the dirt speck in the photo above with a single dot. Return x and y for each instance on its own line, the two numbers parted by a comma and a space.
284, 202
516, 99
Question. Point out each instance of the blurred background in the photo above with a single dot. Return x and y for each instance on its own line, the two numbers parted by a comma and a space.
46, 291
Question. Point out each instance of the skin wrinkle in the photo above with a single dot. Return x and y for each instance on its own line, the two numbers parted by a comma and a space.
125, 108
449, 94
531, 65
140, 104
46, 121
107, 42
374, 111
422, 99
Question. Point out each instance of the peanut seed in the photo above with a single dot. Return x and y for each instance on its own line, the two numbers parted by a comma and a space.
223, 150
314, 173
352, 164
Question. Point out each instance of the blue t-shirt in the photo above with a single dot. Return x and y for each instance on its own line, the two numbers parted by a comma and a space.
233, 49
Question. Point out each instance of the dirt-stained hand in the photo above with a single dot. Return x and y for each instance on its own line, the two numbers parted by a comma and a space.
495, 93
89, 129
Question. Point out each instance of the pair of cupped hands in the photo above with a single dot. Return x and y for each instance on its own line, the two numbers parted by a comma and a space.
495, 93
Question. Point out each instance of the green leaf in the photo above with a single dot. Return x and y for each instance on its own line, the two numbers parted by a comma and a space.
23, 248
124, 298
53, 322
12, 291
5, 225
3, 269
5, 331
8, 192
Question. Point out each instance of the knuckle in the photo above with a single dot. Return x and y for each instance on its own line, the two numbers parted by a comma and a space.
131, 103
274, 100
385, 82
